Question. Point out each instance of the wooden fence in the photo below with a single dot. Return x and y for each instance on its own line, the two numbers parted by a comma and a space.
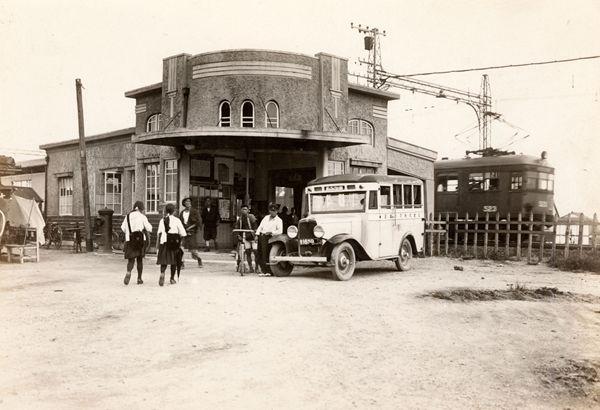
495, 238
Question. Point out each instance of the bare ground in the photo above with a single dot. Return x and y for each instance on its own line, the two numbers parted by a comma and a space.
73, 336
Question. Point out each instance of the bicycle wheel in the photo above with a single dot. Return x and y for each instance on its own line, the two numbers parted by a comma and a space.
116, 243
58, 239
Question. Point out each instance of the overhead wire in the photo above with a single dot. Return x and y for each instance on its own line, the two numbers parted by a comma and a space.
496, 67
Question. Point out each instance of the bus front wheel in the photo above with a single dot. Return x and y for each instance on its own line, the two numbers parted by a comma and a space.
281, 268
343, 261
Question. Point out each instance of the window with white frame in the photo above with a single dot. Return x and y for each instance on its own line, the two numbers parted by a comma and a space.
272, 115
113, 193
65, 196
357, 169
152, 188
153, 123
362, 127
171, 180
247, 114
335, 167
225, 114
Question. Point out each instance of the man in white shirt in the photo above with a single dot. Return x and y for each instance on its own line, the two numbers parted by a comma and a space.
269, 226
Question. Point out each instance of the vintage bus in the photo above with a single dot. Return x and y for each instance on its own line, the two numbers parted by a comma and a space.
352, 218
494, 184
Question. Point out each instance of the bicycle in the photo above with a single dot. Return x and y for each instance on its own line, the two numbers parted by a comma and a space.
241, 266
53, 234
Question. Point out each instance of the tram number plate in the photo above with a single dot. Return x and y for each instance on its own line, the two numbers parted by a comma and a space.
490, 208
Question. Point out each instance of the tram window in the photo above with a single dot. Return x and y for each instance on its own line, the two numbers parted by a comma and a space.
386, 197
417, 196
516, 182
493, 182
408, 196
484, 181
447, 184
476, 182
398, 195
541, 181
372, 199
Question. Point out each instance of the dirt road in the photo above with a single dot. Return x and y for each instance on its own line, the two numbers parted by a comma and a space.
74, 337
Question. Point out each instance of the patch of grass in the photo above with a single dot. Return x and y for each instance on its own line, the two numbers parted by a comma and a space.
514, 292
578, 378
575, 263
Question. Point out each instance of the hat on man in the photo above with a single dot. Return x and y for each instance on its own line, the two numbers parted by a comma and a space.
273, 207
185, 199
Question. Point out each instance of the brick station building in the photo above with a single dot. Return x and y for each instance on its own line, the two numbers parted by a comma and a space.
235, 126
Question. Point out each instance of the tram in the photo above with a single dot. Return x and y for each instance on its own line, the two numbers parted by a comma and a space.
495, 182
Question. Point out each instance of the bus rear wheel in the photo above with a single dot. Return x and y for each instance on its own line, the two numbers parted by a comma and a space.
343, 261
281, 268
403, 261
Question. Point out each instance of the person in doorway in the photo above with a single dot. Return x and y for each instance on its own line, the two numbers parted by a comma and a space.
269, 226
191, 219
210, 220
170, 232
294, 217
285, 217
248, 221
134, 225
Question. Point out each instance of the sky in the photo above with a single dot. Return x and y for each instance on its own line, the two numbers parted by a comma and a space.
115, 46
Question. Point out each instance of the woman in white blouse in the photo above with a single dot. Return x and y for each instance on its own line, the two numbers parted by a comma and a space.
170, 232
136, 228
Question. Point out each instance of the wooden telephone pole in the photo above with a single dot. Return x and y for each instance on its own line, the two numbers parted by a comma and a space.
89, 244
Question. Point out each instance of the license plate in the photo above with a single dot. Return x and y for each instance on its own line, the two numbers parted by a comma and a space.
308, 241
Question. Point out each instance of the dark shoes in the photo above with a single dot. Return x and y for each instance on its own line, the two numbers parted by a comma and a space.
161, 281
172, 281
140, 281
200, 263
127, 278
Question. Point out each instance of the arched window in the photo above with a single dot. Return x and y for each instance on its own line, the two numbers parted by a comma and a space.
362, 127
153, 123
225, 114
247, 114
271, 115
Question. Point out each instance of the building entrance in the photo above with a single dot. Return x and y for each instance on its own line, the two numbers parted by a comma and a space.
287, 186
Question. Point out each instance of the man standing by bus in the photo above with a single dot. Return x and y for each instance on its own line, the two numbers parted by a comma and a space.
269, 226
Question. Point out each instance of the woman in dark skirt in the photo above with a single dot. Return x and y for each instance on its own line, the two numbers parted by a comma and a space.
170, 232
134, 225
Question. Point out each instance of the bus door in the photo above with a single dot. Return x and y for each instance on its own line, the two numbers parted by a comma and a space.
387, 222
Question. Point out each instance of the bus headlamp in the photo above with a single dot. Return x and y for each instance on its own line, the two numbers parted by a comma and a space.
292, 231
318, 231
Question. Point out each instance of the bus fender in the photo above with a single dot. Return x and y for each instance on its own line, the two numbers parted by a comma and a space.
291, 245
360, 252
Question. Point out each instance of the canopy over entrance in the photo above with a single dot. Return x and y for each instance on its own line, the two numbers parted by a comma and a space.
232, 138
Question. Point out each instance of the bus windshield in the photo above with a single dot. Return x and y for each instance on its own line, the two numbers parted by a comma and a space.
337, 202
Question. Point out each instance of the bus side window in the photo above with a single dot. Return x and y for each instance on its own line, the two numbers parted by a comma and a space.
386, 197
398, 195
408, 196
372, 199
417, 196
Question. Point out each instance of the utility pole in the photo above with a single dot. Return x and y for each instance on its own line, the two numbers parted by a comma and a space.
89, 244
373, 46
377, 77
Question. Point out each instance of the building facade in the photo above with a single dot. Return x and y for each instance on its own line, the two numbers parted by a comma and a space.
232, 127
31, 174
